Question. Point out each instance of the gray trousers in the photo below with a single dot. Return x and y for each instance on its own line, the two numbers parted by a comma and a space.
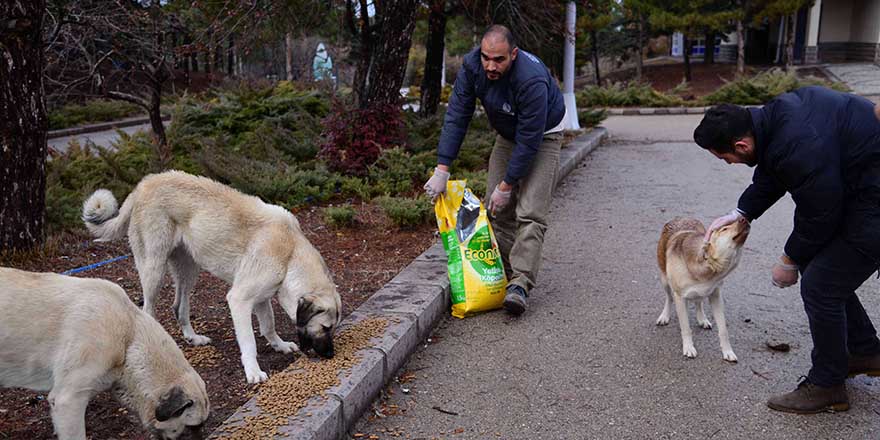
520, 226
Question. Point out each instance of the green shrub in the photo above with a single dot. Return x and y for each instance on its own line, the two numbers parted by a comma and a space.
395, 172
618, 95
762, 88
406, 212
340, 216
99, 110
591, 117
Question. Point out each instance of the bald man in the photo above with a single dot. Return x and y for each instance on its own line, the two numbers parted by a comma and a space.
524, 105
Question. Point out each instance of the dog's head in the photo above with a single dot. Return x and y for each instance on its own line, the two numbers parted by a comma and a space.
181, 410
726, 242
316, 319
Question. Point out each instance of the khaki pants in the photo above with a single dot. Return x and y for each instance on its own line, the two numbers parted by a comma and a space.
520, 226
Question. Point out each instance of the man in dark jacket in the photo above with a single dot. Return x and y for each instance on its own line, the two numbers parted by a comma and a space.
823, 147
524, 105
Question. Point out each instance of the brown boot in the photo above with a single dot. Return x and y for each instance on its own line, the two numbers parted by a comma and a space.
809, 398
869, 365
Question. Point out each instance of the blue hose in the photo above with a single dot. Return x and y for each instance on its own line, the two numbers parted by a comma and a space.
92, 266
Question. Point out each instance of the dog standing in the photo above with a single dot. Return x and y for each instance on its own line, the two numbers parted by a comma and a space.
76, 337
185, 222
691, 269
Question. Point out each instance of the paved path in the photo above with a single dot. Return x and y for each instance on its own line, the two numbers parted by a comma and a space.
862, 78
102, 138
586, 361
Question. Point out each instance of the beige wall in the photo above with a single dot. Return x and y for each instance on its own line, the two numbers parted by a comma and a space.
836, 21
865, 21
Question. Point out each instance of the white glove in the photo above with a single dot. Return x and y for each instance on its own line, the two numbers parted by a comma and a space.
784, 274
436, 185
723, 221
498, 200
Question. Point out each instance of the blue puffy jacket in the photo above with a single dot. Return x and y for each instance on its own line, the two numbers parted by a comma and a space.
521, 106
823, 147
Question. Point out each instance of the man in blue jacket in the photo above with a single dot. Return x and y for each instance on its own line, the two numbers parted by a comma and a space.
524, 105
823, 147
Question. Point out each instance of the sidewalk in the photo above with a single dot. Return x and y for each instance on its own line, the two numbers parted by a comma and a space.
862, 78
586, 361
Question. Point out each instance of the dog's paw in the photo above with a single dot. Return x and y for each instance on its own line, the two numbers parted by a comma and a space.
689, 351
256, 376
663, 320
706, 324
197, 340
729, 356
285, 347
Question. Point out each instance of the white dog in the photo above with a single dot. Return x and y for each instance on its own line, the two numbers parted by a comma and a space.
76, 337
691, 269
185, 222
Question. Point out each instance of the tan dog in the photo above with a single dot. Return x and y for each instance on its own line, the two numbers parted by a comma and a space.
691, 269
76, 337
184, 222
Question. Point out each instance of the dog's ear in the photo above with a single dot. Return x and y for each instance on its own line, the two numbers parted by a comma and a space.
306, 310
172, 404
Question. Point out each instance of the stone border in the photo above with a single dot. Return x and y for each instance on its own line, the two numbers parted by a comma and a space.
641, 111
412, 303
103, 126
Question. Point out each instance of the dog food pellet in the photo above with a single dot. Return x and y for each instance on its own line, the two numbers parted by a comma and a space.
288, 391
202, 356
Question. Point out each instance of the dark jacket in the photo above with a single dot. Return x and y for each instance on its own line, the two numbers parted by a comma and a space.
521, 106
823, 147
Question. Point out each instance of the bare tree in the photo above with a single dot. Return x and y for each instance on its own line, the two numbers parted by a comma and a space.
382, 47
435, 44
23, 125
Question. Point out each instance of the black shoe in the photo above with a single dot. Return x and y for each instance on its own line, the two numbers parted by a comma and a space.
869, 365
809, 398
515, 301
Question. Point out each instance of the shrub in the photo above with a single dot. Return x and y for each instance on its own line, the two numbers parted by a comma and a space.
395, 172
406, 212
617, 95
591, 117
99, 110
354, 138
763, 87
340, 216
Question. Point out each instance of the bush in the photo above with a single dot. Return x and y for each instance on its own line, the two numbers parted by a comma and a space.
617, 95
354, 138
340, 216
762, 88
71, 115
591, 117
406, 212
395, 172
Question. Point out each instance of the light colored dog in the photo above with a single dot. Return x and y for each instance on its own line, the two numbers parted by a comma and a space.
185, 222
80, 336
691, 269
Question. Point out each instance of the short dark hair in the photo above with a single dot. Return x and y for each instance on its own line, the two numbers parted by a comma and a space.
722, 126
503, 31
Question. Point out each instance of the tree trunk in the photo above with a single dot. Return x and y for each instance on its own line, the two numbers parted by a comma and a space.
709, 54
740, 49
288, 56
163, 150
432, 86
640, 46
364, 48
390, 52
789, 42
687, 58
594, 49
230, 56
23, 125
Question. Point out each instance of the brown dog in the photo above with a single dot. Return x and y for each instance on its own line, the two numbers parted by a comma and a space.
693, 269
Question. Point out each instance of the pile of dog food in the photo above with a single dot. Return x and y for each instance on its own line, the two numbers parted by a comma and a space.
202, 355
285, 393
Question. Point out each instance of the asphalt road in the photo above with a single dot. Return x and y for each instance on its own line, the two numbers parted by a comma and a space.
586, 360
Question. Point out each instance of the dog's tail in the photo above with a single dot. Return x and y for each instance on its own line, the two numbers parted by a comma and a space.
103, 217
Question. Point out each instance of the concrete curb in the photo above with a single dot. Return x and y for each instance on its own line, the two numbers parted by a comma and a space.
103, 126
641, 111
412, 303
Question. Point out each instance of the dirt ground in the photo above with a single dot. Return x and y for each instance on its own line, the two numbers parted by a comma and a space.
362, 259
